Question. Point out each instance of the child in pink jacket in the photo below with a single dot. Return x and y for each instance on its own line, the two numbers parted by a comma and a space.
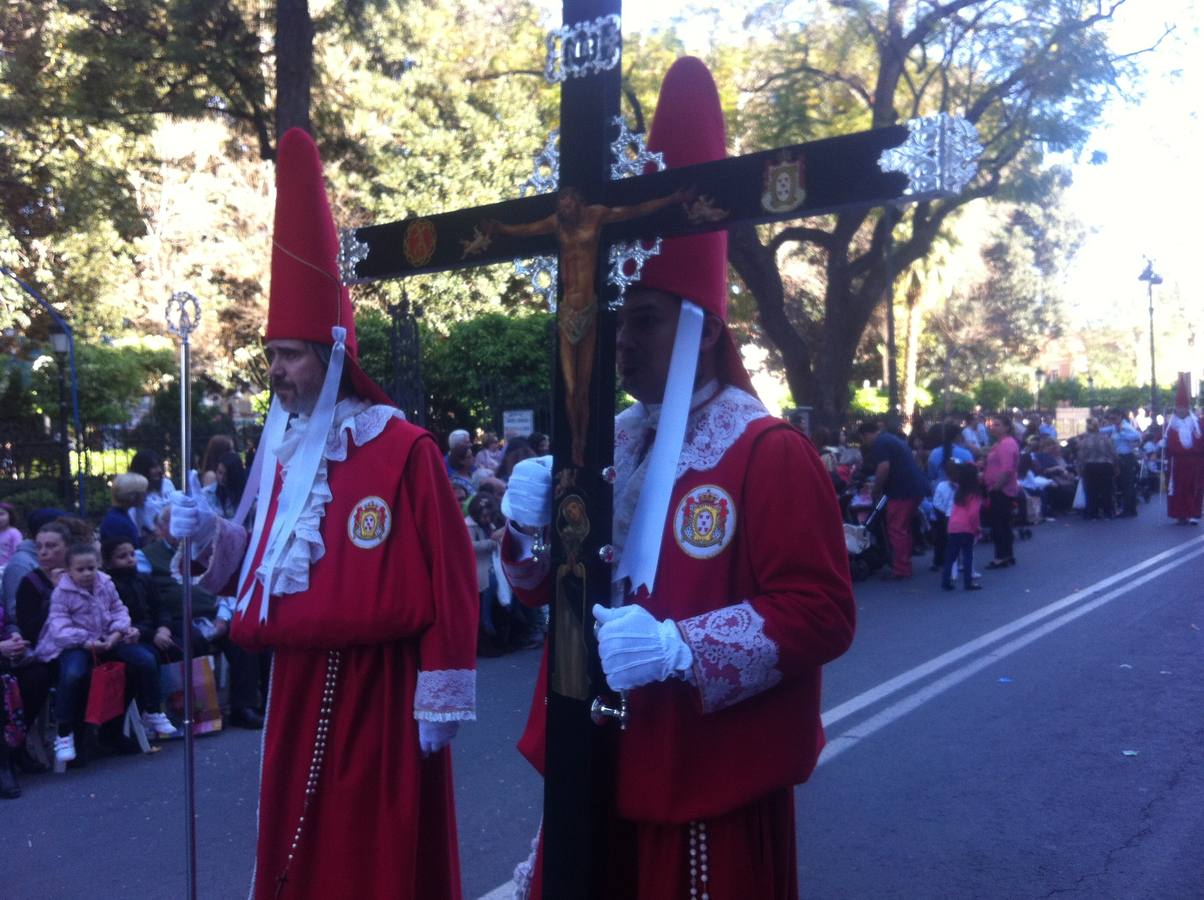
87, 620
963, 527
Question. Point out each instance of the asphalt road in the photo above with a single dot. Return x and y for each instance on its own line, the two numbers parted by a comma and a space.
1042, 736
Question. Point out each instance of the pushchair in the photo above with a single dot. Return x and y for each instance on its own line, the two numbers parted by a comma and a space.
1149, 476
863, 536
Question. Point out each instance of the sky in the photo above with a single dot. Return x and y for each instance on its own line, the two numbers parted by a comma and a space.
1144, 200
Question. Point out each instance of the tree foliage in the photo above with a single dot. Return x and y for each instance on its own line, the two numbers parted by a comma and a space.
1031, 76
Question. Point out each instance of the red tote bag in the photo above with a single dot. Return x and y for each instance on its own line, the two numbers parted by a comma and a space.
106, 695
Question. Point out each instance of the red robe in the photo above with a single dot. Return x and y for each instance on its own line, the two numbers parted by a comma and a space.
397, 600
1185, 476
753, 569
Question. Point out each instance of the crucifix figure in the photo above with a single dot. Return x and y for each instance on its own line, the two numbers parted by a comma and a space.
578, 229
596, 460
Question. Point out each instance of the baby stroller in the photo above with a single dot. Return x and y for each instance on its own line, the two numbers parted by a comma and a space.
863, 537
1149, 476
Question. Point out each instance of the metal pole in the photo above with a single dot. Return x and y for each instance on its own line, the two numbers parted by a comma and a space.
182, 322
1153, 380
64, 434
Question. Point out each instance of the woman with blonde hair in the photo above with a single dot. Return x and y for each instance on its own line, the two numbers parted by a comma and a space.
129, 492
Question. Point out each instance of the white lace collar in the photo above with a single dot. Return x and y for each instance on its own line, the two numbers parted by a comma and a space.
717, 420
354, 418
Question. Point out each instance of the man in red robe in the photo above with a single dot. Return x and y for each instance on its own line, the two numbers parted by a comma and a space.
1184, 461
357, 573
719, 644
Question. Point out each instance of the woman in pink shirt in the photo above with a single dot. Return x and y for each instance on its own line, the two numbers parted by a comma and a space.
1003, 487
963, 527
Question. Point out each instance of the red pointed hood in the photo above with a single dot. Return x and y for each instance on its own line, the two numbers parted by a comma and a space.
1182, 394
307, 298
688, 129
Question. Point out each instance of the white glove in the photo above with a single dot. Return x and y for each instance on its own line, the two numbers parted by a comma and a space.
528, 497
636, 649
191, 515
434, 736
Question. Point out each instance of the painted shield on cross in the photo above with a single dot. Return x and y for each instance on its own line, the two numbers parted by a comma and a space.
705, 521
369, 523
784, 191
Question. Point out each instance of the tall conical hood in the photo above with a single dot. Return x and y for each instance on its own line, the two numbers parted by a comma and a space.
688, 129
1182, 394
307, 298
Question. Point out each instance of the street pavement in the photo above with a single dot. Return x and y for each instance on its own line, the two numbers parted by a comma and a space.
1042, 736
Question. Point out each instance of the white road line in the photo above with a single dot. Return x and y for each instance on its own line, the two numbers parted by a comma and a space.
501, 892
847, 739
912, 702
886, 688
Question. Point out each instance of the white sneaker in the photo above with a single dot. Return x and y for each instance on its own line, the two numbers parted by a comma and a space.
64, 748
158, 725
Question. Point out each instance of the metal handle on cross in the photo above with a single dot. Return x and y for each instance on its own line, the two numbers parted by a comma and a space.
599, 712
183, 314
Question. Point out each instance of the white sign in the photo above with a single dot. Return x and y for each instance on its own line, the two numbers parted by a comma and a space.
517, 423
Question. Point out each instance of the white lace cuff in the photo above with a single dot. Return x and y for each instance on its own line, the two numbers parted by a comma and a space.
733, 657
446, 695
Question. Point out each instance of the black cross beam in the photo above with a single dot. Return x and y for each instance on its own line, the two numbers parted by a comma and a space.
904, 163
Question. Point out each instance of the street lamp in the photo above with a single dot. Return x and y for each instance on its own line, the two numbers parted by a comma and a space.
1040, 375
1091, 392
1151, 278
61, 344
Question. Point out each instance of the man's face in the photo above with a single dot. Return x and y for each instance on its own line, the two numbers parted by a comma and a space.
868, 438
646, 331
296, 375
568, 208
997, 429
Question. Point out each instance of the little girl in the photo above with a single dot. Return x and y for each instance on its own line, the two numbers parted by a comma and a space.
10, 535
963, 528
87, 617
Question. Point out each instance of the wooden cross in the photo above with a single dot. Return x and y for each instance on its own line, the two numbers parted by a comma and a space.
591, 212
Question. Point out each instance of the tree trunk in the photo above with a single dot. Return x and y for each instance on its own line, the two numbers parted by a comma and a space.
915, 327
294, 64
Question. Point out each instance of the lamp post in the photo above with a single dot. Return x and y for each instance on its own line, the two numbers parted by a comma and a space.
61, 345
1091, 393
1040, 375
1151, 278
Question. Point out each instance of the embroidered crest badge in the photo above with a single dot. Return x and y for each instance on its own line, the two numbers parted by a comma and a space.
705, 521
784, 191
369, 523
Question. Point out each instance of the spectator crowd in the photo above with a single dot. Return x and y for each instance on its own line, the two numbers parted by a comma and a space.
75, 597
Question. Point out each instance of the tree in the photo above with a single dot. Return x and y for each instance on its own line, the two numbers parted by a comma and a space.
1029, 75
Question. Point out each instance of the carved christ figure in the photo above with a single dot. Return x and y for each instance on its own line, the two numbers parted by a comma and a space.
578, 228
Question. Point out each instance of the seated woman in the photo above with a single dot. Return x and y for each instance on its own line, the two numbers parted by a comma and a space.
24, 686
129, 493
158, 490
87, 620
225, 493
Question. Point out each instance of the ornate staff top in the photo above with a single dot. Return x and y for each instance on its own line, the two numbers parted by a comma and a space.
183, 314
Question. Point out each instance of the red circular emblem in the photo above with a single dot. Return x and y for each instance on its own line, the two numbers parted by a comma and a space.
418, 244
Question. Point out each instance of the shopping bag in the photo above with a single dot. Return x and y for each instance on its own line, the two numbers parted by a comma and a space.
106, 693
206, 709
1033, 509
1080, 497
12, 712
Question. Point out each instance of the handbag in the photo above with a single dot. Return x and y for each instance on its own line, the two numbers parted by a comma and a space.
12, 711
1080, 497
206, 708
106, 693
